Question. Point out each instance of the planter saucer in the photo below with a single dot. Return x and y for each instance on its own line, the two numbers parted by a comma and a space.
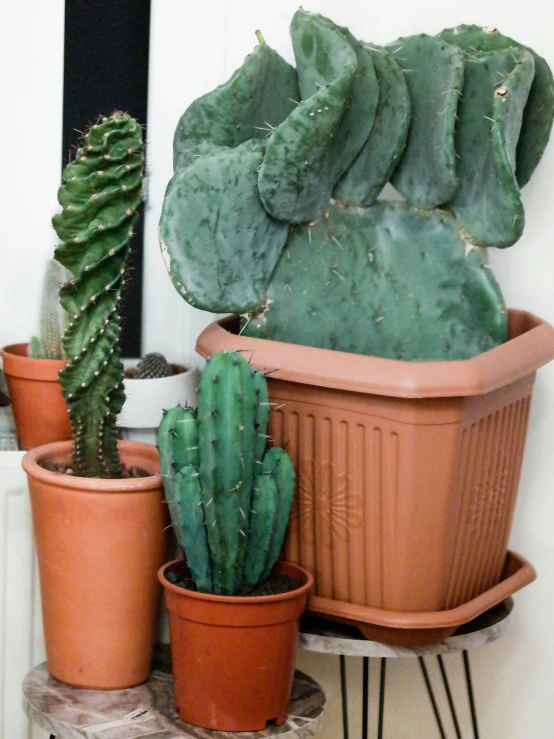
420, 628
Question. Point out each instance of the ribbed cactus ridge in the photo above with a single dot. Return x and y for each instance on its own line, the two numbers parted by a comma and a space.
152, 366
457, 122
53, 318
100, 196
228, 498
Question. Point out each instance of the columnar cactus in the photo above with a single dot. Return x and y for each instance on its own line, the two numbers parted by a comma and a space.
277, 220
229, 498
53, 318
100, 197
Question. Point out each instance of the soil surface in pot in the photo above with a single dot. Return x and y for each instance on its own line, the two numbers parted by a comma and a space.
65, 469
274, 585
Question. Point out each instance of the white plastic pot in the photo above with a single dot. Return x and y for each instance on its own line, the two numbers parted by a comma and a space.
146, 400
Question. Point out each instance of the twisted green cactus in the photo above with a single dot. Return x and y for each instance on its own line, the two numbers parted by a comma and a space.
53, 318
100, 197
228, 497
293, 239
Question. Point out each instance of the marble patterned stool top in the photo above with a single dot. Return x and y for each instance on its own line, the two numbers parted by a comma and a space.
146, 712
320, 635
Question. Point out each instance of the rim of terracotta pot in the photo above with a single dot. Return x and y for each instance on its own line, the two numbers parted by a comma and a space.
238, 599
63, 449
31, 368
530, 345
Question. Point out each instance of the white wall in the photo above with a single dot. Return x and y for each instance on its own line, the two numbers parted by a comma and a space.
194, 47
31, 81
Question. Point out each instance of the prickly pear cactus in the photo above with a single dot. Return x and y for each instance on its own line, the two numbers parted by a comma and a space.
100, 196
152, 366
53, 318
456, 122
229, 499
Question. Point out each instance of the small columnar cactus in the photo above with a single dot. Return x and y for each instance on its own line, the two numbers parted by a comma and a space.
228, 497
100, 197
274, 215
152, 366
53, 318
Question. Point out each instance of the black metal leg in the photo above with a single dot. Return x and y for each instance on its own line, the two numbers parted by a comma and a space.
469, 685
52, 736
431, 697
382, 698
442, 667
365, 698
344, 696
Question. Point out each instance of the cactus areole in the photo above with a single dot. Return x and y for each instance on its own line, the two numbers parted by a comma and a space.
100, 196
272, 212
228, 497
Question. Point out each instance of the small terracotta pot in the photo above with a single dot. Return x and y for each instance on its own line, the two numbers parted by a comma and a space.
100, 544
233, 656
39, 408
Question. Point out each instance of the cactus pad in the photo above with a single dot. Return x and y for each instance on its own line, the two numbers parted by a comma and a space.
300, 166
219, 244
417, 295
539, 111
256, 99
319, 56
101, 194
374, 164
434, 70
488, 203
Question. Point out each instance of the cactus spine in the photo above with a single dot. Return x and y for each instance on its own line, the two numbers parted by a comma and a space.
100, 196
229, 499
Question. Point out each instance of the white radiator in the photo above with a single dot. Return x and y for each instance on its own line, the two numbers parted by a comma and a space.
21, 642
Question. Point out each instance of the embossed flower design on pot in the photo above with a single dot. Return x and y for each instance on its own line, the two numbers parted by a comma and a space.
489, 499
325, 503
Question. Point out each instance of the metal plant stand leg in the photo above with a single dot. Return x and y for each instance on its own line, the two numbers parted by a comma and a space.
381, 724
432, 697
449, 697
365, 698
470, 695
344, 696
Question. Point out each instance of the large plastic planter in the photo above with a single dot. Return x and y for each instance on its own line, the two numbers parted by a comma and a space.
407, 472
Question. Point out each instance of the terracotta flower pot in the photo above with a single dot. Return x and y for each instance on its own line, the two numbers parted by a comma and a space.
407, 472
233, 656
99, 545
38, 405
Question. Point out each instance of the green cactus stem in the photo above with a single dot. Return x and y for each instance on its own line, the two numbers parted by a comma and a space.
100, 196
434, 70
418, 296
53, 319
153, 366
538, 114
228, 498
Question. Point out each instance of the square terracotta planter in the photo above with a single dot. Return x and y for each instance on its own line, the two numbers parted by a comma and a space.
407, 472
